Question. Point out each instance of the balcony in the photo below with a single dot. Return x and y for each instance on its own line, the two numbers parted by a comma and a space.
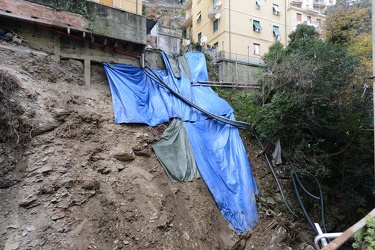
296, 1
213, 10
189, 18
320, 3
187, 4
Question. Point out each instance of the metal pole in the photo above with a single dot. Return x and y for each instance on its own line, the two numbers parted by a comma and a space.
373, 73
248, 54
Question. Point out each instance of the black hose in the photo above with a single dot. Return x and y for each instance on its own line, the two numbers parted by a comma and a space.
321, 202
301, 203
149, 72
304, 189
277, 181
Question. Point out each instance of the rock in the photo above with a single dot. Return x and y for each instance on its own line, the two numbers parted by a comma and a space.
144, 152
4, 183
270, 201
45, 170
66, 182
164, 222
125, 156
58, 216
277, 239
121, 167
30, 228
140, 146
60, 114
90, 184
304, 246
104, 170
185, 236
28, 202
44, 126
13, 242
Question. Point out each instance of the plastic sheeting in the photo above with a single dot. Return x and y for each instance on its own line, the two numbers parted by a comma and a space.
174, 153
222, 162
217, 147
198, 66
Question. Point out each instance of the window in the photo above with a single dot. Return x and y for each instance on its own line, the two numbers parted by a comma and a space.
308, 19
256, 47
216, 25
256, 26
276, 32
199, 17
257, 4
319, 21
299, 17
199, 37
216, 4
276, 10
216, 45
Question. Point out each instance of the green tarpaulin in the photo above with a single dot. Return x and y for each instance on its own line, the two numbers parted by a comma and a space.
174, 153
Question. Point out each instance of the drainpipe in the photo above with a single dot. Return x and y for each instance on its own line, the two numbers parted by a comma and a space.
230, 36
286, 26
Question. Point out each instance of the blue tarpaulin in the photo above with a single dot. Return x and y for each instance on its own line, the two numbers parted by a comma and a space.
217, 147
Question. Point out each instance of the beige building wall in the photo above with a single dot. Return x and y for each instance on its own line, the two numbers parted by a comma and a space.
132, 6
307, 12
234, 34
302, 16
233, 30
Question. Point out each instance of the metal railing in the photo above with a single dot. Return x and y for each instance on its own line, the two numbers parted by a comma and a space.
247, 59
341, 238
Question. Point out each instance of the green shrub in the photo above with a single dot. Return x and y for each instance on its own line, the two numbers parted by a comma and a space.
365, 237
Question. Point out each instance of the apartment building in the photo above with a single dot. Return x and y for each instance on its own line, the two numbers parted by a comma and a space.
132, 6
243, 30
309, 12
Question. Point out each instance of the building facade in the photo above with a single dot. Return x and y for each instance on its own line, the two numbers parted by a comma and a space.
309, 12
242, 31
132, 6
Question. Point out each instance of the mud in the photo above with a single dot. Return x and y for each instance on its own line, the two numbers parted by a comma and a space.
70, 178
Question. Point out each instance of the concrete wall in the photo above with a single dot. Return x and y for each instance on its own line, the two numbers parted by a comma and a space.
236, 72
169, 43
97, 18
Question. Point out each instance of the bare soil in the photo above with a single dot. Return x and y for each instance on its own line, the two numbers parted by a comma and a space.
70, 178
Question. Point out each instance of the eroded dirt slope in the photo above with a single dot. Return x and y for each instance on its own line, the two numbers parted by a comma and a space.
70, 178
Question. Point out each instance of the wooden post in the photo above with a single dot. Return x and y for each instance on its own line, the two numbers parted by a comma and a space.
56, 47
87, 72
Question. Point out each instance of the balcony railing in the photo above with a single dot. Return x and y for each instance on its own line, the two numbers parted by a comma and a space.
247, 59
320, 3
212, 11
186, 4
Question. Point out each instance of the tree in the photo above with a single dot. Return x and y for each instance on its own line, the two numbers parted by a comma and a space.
346, 22
315, 103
